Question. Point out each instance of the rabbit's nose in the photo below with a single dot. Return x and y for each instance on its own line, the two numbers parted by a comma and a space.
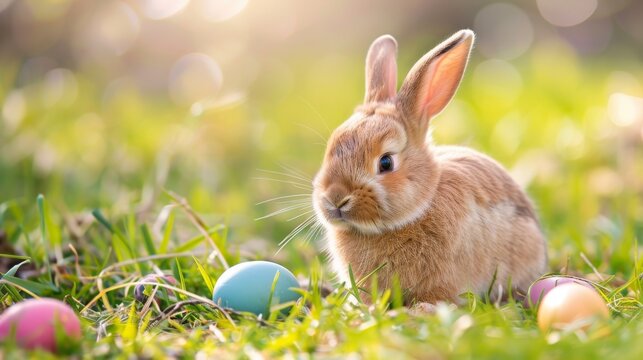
342, 204
337, 196
337, 210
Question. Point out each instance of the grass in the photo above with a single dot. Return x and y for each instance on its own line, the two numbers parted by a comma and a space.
98, 283
104, 221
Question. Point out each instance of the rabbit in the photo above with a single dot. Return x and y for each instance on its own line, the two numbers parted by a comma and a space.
444, 220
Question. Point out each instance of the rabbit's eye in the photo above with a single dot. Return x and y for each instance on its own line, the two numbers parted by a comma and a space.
386, 163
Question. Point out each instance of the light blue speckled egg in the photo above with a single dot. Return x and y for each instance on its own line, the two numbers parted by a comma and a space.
246, 287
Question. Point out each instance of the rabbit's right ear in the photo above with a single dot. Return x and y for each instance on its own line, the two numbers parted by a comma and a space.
381, 70
433, 80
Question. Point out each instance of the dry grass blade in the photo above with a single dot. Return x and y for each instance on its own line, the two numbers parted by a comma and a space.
199, 223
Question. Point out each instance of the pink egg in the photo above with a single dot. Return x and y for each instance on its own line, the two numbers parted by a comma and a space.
541, 287
34, 323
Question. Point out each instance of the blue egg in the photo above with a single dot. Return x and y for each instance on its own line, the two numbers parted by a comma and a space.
246, 287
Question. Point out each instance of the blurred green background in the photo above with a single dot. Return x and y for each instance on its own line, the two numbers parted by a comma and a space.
104, 102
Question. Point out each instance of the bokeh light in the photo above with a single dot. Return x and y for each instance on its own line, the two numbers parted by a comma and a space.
161, 9
221, 10
570, 141
590, 37
503, 31
623, 81
605, 181
566, 12
625, 110
13, 110
60, 87
110, 31
195, 78
5, 4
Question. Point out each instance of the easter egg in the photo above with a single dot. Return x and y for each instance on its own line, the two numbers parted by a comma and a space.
34, 323
139, 289
568, 304
247, 287
541, 287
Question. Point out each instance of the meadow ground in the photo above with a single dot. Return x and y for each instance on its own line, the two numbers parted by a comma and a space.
100, 186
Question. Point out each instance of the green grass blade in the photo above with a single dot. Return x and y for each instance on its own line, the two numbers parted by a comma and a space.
14, 269
54, 236
169, 224
12, 292
316, 278
204, 275
397, 292
37, 288
12, 256
354, 288
367, 276
197, 240
147, 240
122, 242
40, 200
131, 329
272, 292
178, 274
15, 236
98, 215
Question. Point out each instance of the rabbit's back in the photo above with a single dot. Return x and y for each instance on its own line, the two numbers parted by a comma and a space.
488, 218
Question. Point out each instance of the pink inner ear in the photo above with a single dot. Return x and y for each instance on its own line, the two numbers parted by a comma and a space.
429, 83
441, 80
382, 82
390, 77
381, 70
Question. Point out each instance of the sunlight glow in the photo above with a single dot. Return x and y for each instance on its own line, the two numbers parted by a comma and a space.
566, 12
162, 9
112, 30
503, 31
625, 110
222, 10
195, 78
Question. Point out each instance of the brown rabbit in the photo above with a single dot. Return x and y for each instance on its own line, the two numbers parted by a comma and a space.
445, 219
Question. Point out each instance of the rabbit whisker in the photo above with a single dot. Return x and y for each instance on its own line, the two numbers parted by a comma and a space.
294, 233
299, 228
295, 184
325, 140
317, 229
293, 176
281, 211
283, 197
294, 171
313, 109
300, 215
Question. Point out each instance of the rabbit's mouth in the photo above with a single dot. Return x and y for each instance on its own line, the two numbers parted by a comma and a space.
342, 220
344, 211
337, 210
337, 216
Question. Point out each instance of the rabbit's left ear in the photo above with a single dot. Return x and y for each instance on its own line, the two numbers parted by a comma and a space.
433, 80
381, 70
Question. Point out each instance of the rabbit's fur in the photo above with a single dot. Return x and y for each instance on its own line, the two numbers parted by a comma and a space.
446, 219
